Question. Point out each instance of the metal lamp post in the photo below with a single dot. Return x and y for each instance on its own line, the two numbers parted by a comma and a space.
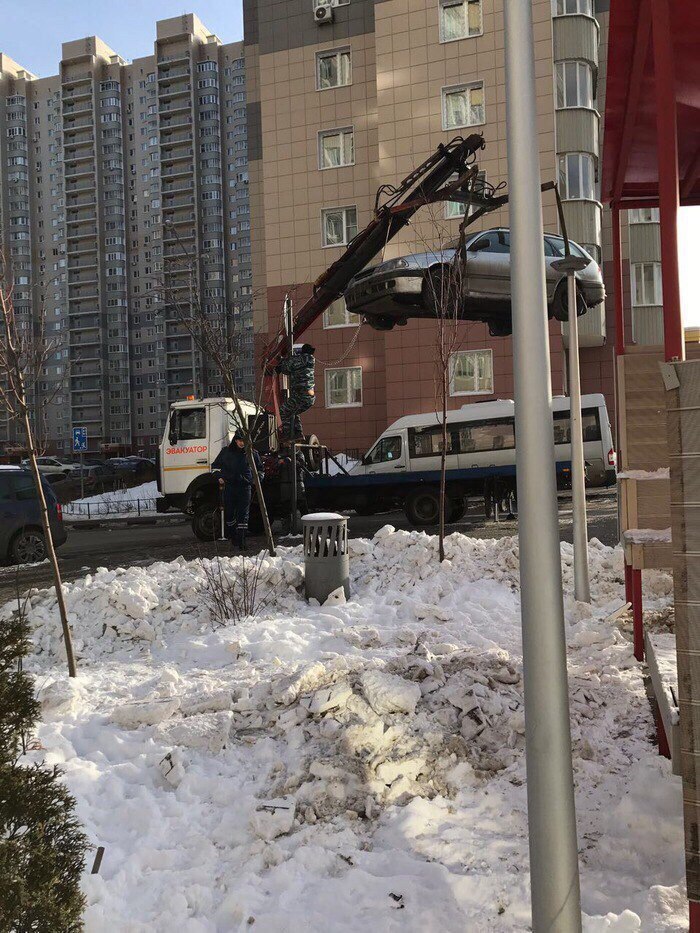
554, 880
582, 589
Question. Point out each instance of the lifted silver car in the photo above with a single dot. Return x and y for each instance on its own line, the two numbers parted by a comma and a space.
411, 286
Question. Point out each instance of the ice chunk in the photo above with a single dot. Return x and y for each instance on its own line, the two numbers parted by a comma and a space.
390, 771
172, 767
327, 698
145, 712
388, 693
207, 730
336, 598
59, 697
274, 817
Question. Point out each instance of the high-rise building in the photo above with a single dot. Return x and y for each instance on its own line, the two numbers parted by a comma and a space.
123, 197
347, 95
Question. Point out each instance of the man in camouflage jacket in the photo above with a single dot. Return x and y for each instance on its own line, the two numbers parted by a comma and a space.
299, 367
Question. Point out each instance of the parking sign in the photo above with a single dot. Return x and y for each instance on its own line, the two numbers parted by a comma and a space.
80, 440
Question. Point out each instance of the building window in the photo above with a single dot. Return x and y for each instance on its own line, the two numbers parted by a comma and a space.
646, 284
336, 148
337, 315
463, 106
644, 215
318, 3
471, 372
339, 225
459, 19
567, 7
333, 69
344, 387
576, 176
457, 208
574, 84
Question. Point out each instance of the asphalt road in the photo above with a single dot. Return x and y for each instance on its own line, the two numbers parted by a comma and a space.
122, 546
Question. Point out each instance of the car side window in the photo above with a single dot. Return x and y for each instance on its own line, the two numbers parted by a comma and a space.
482, 245
23, 487
191, 424
389, 448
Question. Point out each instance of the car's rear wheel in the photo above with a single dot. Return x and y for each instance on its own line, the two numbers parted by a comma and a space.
381, 321
423, 507
500, 328
560, 305
28, 547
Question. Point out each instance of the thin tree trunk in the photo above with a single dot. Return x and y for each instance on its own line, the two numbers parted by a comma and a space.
443, 465
256, 476
58, 586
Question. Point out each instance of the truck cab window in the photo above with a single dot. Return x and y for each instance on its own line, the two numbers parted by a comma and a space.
389, 448
190, 424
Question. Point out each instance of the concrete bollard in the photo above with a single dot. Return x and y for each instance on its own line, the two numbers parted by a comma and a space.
326, 558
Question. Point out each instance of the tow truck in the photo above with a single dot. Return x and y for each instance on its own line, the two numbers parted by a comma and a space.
197, 429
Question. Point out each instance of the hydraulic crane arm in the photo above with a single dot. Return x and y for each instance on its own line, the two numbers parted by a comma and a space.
422, 186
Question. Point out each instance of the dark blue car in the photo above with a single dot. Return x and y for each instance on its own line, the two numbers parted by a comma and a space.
21, 534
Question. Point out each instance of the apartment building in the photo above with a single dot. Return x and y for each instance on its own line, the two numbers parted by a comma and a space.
123, 197
345, 101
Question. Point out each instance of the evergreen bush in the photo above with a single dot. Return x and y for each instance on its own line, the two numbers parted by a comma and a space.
42, 846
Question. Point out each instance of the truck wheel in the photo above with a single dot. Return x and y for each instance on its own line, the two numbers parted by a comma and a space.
456, 510
423, 507
313, 455
205, 522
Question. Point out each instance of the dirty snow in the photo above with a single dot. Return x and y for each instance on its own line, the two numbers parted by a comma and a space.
349, 766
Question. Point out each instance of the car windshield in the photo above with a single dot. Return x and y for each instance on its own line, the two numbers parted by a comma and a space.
556, 245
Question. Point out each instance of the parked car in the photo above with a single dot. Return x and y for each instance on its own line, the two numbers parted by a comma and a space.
21, 535
50, 466
406, 287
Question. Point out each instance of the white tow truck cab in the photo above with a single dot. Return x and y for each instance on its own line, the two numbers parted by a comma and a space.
195, 431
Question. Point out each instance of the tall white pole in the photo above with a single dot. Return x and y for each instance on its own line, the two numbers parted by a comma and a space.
551, 814
582, 589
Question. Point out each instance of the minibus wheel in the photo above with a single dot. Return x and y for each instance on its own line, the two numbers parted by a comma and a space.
423, 507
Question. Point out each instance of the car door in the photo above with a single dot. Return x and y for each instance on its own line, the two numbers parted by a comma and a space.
8, 510
488, 267
187, 452
387, 456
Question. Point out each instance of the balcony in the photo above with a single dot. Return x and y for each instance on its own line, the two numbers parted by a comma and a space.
181, 56
165, 126
184, 185
172, 203
174, 138
74, 200
77, 92
77, 124
80, 173
168, 91
175, 107
69, 79
84, 107
170, 74
181, 170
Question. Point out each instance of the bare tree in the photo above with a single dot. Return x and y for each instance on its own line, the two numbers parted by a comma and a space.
217, 343
24, 354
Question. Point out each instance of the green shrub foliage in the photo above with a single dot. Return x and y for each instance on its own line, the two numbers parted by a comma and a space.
42, 846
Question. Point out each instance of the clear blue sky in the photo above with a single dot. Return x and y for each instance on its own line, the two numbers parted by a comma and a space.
33, 30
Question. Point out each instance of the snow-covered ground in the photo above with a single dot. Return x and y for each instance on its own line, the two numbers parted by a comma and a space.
134, 501
354, 766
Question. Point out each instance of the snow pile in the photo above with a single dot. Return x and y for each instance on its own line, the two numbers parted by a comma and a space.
321, 767
136, 500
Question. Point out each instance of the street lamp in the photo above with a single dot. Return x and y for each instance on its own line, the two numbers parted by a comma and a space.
582, 589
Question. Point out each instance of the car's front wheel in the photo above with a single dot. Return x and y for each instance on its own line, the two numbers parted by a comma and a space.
560, 305
28, 547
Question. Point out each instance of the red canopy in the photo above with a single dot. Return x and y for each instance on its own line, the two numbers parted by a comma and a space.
630, 158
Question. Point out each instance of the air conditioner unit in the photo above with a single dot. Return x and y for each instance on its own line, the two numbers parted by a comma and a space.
323, 13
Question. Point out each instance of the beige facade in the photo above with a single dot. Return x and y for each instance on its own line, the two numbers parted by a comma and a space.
406, 61
121, 164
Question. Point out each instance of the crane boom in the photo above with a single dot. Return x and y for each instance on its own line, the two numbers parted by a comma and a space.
422, 186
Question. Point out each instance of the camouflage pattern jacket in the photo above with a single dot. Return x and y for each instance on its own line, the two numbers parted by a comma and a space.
300, 369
